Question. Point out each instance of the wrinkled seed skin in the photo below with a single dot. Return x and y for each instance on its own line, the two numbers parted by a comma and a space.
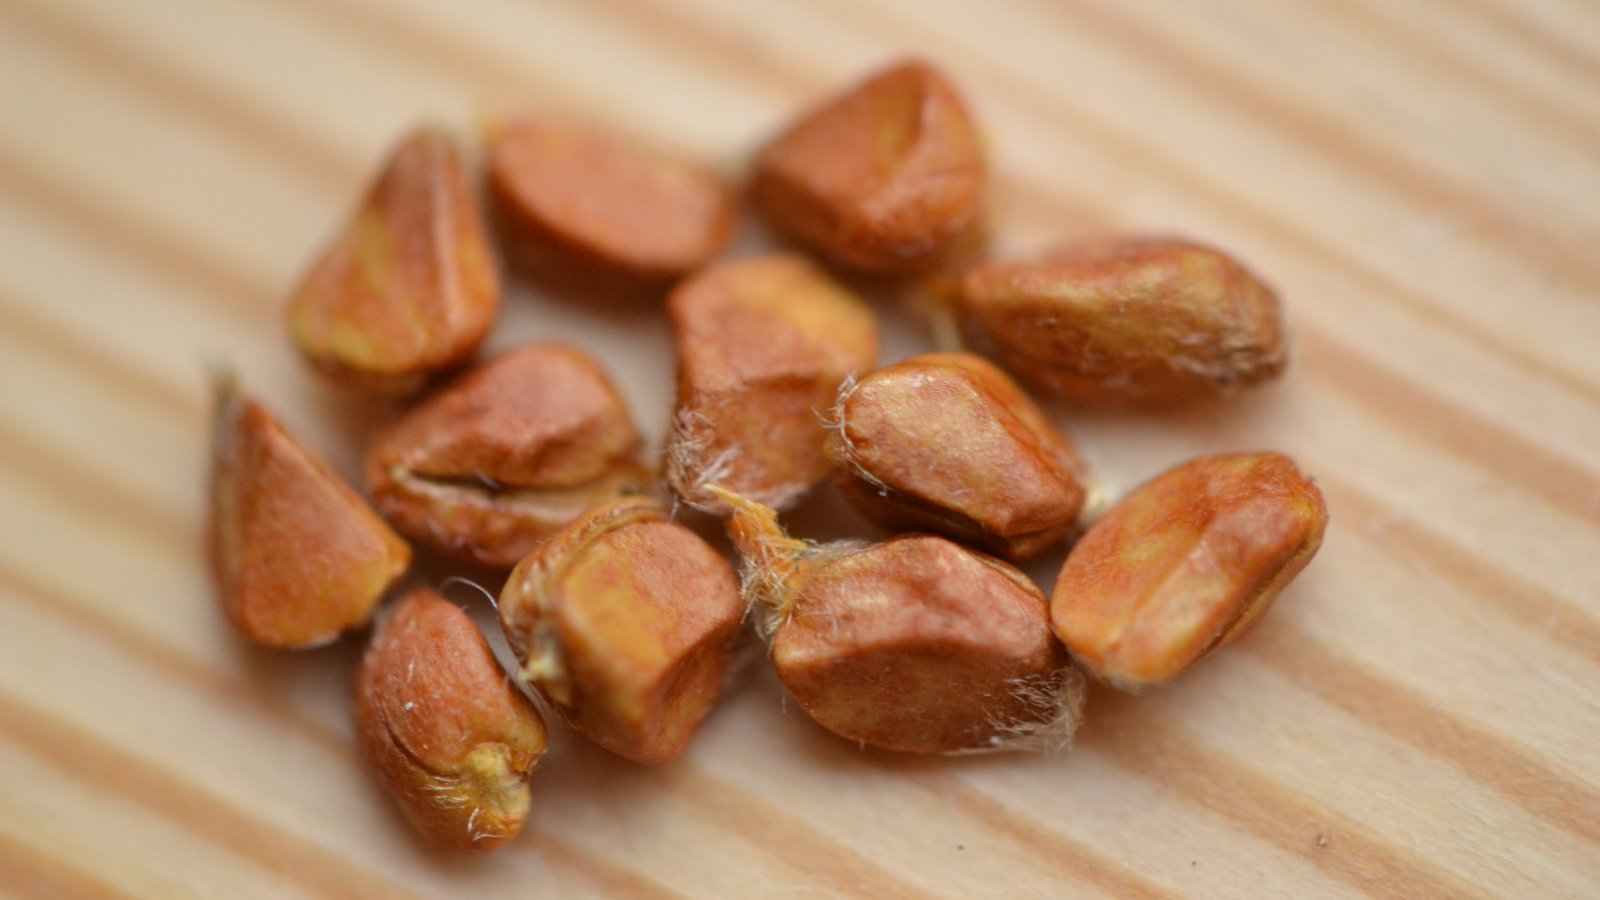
492, 463
449, 738
915, 644
296, 554
411, 286
569, 195
1134, 321
763, 346
627, 622
1183, 565
946, 442
882, 178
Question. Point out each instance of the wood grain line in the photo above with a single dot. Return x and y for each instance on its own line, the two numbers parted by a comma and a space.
84, 486
222, 286
1508, 95
1066, 857
25, 872
607, 877
1547, 44
1415, 546
791, 841
1272, 812
1562, 483
96, 762
1323, 135
706, 42
1483, 756
155, 394
113, 61
269, 704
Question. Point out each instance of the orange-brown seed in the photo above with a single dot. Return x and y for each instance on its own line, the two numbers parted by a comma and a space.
884, 177
297, 555
450, 739
914, 644
763, 346
495, 461
1125, 321
411, 286
626, 621
1184, 564
572, 197
946, 442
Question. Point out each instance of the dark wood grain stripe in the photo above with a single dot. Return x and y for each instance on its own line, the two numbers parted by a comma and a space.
1421, 413
1274, 813
1072, 861
154, 394
27, 873
95, 762
125, 234
1556, 46
108, 59
82, 485
809, 852
1324, 136
606, 877
1469, 71
275, 714
1413, 545
1497, 764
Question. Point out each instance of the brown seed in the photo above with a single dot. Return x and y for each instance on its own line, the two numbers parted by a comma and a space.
571, 196
763, 345
1184, 564
495, 461
883, 177
410, 287
1125, 321
297, 555
450, 739
946, 442
914, 644
626, 621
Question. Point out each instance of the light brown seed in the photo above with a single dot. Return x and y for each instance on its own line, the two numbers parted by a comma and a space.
297, 555
1144, 321
626, 621
492, 463
914, 644
946, 442
410, 287
763, 346
884, 177
1184, 564
448, 737
576, 202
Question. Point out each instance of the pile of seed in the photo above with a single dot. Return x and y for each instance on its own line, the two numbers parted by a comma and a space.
623, 618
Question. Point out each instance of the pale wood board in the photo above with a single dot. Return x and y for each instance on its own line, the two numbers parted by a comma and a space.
1418, 716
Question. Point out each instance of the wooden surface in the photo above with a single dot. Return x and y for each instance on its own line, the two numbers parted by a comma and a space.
1417, 717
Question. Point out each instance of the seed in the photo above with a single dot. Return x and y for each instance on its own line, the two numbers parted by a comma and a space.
410, 287
494, 462
1143, 321
450, 739
297, 555
913, 644
947, 443
884, 177
626, 621
1184, 564
573, 197
763, 345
